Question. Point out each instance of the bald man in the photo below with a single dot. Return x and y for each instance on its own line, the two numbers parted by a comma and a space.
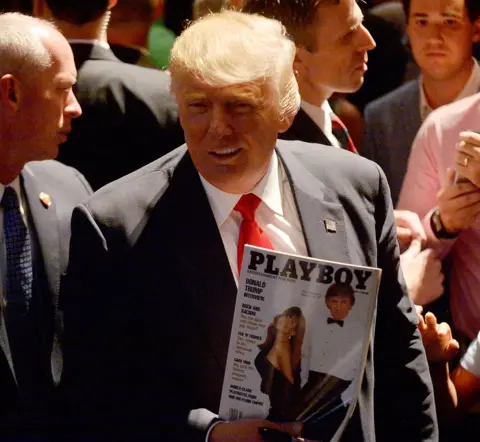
37, 196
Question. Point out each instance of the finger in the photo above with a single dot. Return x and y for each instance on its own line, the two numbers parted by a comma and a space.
431, 321
451, 350
293, 428
411, 221
449, 177
414, 248
404, 234
470, 136
443, 329
421, 323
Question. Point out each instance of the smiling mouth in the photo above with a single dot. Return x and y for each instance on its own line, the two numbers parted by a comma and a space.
226, 153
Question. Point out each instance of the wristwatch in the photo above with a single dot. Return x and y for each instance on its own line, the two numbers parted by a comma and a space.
438, 228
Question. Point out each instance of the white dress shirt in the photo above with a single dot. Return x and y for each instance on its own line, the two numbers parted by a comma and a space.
322, 117
472, 86
276, 215
101, 43
3, 254
336, 350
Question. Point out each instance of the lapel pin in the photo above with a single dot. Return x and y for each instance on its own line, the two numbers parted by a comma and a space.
330, 225
45, 199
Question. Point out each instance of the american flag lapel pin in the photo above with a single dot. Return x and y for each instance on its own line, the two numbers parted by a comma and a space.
330, 225
45, 199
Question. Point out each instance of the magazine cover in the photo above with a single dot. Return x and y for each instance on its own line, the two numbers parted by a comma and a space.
299, 341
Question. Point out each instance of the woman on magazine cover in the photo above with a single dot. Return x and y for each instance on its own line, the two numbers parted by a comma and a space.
278, 363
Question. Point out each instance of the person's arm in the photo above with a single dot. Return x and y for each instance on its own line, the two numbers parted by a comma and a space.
440, 349
466, 377
403, 388
427, 187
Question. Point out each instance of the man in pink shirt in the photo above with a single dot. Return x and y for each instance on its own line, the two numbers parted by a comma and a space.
450, 207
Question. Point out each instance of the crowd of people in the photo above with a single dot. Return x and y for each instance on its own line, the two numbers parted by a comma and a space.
128, 189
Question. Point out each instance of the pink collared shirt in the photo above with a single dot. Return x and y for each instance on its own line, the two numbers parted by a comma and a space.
432, 153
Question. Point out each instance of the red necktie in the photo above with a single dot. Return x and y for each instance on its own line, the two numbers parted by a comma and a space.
340, 132
250, 231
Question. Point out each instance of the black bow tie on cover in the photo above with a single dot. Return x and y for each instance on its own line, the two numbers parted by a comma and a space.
335, 321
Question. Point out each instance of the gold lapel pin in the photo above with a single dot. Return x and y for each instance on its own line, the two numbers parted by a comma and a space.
45, 199
330, 225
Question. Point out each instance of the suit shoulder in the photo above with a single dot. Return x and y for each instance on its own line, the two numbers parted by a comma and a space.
138, 188
108, 73
403, 95
54, 171
337, 168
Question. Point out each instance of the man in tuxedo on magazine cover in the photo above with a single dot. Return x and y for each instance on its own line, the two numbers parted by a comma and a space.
150, 290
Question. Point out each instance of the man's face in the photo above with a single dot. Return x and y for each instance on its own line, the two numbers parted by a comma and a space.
230, 131
48, 104
339, 306
338, 56
441, 37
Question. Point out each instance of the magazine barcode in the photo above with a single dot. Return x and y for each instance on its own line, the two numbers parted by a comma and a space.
234, 414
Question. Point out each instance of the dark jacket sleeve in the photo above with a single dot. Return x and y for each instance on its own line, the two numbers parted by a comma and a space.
403, 397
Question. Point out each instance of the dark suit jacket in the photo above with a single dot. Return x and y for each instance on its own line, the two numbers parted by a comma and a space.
149, 270
391, 124
129, 117
305, 129
30, 391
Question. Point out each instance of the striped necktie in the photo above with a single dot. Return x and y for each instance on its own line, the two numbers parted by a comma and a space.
340, 132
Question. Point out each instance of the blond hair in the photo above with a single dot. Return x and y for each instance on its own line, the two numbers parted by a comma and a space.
21, 51
232, 48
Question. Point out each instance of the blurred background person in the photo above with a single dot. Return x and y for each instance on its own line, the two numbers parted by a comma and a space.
128, 30
160, 38
441, 35
37, 106
129, 117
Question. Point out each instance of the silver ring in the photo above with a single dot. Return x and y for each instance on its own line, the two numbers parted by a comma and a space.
466, 160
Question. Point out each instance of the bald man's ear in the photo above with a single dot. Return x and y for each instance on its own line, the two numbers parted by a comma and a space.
10, 92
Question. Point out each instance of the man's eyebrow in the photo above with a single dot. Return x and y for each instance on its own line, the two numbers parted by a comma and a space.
194, 95
452, 14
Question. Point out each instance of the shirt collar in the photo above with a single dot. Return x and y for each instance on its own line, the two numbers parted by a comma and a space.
472, 86
321, 115
15, 184
268, 189
101, 43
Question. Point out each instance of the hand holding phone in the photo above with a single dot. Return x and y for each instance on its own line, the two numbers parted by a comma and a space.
467, 151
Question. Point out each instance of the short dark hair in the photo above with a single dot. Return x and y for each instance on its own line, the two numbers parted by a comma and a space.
78, 12
340, 289
297, 16
472, 6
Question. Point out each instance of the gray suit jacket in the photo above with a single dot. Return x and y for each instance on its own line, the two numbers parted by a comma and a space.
391, 124
49, 227
149, 270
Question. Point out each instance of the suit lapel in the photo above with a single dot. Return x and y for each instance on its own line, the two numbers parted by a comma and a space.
319, 215
193, 239
411, 119
44, 224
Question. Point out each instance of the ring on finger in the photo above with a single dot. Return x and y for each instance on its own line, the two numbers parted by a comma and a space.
466, 160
